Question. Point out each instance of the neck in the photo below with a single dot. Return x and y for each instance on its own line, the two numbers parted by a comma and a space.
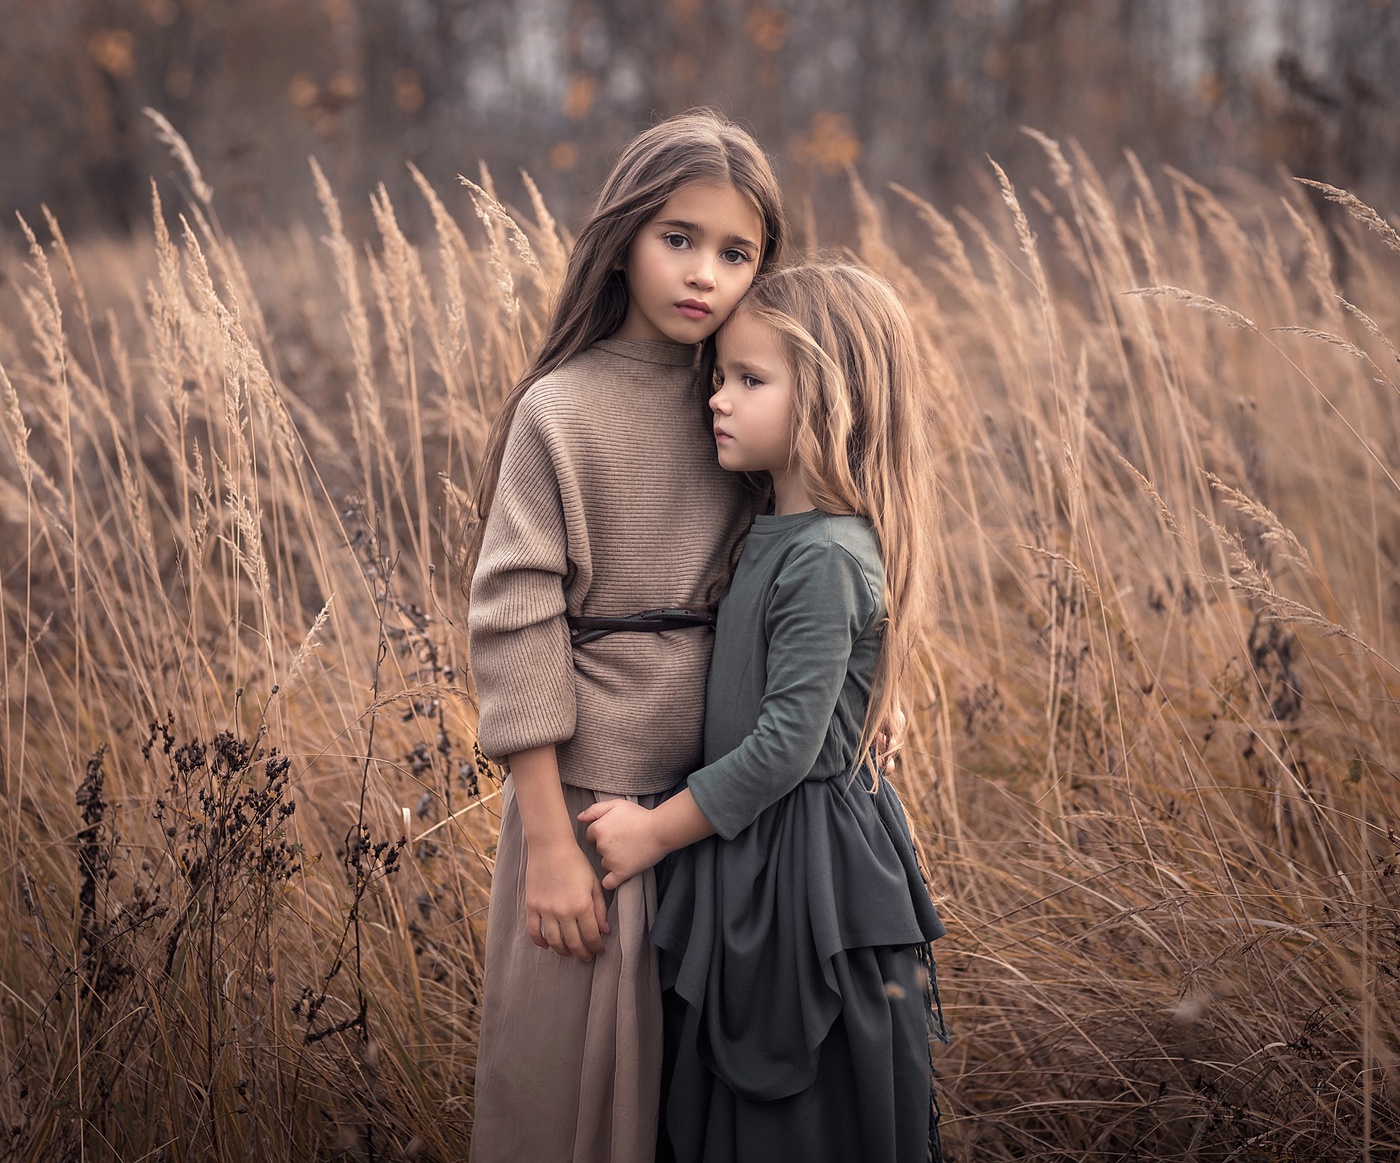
790, 493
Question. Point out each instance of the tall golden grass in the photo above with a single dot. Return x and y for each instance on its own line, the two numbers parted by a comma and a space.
1152, 760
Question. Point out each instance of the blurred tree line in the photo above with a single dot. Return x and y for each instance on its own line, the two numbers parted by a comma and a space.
914, 91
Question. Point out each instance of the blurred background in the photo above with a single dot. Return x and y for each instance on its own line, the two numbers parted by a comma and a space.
1154, 754
912, 91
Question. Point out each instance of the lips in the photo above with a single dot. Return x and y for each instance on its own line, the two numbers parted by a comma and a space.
693, 309
721, 436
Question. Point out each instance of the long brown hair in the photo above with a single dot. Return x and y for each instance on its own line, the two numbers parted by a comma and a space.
699, 146
860, 434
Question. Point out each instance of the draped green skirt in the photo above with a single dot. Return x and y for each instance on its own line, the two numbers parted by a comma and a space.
799, 992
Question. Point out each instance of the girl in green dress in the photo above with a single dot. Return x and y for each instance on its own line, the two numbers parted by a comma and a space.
793, 922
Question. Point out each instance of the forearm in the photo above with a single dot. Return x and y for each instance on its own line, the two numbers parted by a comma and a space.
679, 822
539, 797
520, 653
738, 787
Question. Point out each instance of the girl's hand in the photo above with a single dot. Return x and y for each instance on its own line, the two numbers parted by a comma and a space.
564, 901
626, 837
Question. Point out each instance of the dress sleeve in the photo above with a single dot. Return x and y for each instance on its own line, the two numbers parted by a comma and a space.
821, 602
520, 652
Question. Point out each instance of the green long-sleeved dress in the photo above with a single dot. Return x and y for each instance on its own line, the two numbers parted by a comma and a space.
798, 989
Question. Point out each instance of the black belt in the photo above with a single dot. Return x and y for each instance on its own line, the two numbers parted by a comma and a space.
585, 630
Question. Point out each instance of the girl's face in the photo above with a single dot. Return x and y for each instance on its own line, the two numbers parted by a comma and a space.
689, 265
752, 400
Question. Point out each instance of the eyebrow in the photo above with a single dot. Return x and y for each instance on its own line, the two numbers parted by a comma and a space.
744, 367
696, 228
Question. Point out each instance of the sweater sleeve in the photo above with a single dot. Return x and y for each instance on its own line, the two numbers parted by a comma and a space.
820, 603
520, 651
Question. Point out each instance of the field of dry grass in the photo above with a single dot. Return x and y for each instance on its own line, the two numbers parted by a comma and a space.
1153, 757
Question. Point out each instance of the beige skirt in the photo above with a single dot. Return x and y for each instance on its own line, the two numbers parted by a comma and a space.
569, 1062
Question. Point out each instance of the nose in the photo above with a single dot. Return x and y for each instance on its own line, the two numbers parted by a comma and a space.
702, 274
719, 402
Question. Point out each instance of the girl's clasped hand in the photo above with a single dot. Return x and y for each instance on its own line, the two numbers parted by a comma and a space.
625, 835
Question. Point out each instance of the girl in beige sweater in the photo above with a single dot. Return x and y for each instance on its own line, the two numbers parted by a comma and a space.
600, 499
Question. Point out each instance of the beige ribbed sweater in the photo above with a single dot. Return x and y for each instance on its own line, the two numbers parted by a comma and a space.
610, 501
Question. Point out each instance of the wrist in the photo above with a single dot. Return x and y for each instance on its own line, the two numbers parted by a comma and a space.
551, 839
663, 829
679, 822
539, 798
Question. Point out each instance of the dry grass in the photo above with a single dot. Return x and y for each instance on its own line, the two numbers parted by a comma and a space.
1153, 761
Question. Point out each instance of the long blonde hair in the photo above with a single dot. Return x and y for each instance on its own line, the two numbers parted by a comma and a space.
699, 146
860, 434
